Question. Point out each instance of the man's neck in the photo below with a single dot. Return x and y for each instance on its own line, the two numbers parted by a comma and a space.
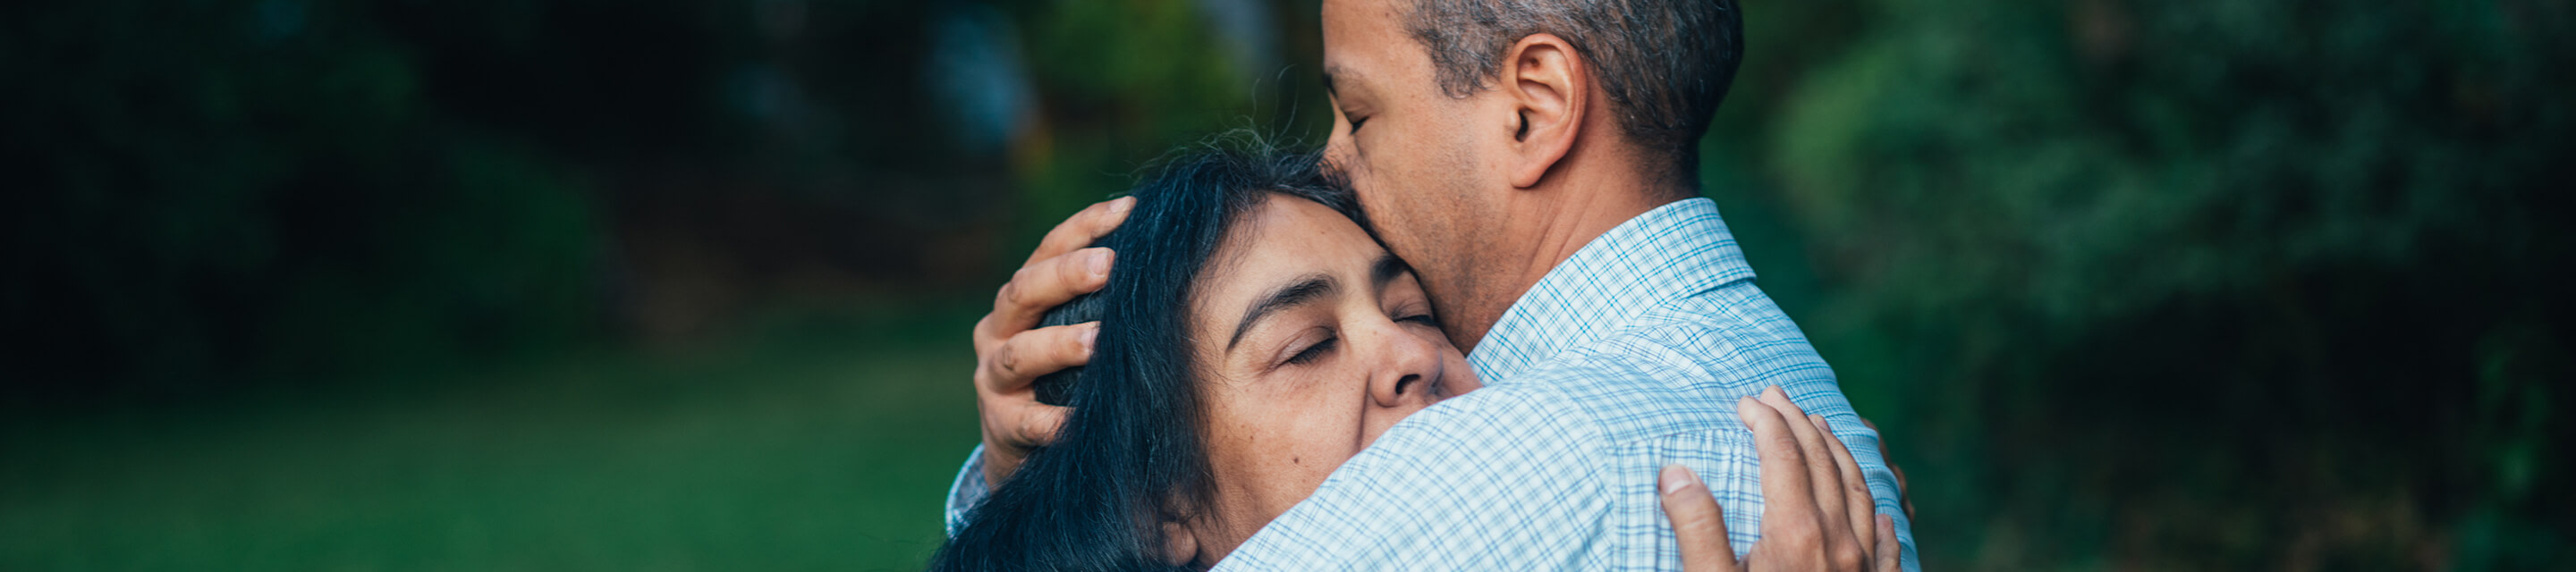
1564, 216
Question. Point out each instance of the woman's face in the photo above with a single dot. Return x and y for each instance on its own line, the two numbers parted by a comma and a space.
1312, 340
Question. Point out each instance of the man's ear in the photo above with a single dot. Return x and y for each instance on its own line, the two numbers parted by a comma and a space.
1180, 544
1550, 88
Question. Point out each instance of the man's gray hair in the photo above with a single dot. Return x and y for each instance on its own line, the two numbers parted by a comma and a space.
1665, 63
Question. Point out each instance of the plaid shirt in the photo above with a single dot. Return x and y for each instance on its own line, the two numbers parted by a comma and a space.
1627, 357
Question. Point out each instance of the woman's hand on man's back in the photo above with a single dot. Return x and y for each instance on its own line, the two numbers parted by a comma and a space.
1817, 512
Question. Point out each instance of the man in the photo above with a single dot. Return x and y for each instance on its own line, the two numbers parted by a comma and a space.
1536, 163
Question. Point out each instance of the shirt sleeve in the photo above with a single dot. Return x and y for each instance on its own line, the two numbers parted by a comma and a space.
967, 491
1433, 493
1820, 395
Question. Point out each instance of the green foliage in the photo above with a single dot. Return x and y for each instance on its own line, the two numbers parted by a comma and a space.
1123, 83
239, 188
2201, 284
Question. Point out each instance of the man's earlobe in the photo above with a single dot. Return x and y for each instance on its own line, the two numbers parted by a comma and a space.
1180, 546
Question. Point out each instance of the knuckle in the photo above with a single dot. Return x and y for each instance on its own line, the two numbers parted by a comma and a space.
1783, 442
1062, 346
1848, 559
1037, 427
1689, 517
1007, 359
1010, 294
1074, 272
1809, 440
1807, 539
1700, 527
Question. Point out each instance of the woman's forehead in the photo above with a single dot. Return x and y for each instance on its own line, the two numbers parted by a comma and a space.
1282, 240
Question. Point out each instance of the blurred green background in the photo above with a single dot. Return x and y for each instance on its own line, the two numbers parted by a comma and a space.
685, 285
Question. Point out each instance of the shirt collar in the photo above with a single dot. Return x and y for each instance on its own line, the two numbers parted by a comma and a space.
1669, 253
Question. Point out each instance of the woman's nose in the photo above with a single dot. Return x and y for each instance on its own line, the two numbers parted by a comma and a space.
1407, 368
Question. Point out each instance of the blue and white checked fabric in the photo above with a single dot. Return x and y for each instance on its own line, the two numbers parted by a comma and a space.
1627, 357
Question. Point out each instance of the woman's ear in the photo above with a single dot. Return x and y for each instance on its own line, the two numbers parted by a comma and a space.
1180, 546
1550, 88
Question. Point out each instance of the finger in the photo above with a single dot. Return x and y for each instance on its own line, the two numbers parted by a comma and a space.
1083, 228
1891, 555
1903, 498
1038, 423
1862, 506
1024, 357
1826, 480
1012, 429
1043, 285
1698, 523
1788, 514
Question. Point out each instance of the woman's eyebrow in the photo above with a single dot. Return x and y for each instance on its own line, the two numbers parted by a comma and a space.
1306, 289
1386, 269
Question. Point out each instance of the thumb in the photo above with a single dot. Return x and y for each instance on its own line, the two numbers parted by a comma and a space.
1891, 556
1698, 524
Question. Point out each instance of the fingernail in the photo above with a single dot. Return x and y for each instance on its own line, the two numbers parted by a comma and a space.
1775, 391
1089, 335
1100, 262
1819, 420
1677, 477
1122, 204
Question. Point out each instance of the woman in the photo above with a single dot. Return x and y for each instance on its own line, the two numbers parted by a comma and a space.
1300, 340
1253, 337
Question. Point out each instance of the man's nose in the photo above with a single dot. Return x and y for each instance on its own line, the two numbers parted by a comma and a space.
1408, 367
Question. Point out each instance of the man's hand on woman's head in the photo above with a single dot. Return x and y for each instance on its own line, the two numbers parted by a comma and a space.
1817, 511
1011, 352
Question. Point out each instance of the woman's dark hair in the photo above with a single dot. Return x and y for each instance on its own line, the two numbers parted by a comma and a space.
1130, 455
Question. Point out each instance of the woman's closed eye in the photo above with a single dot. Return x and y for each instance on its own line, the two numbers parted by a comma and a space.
1314, 352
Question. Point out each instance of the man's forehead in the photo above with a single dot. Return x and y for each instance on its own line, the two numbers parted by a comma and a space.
1372, 21
1356, 34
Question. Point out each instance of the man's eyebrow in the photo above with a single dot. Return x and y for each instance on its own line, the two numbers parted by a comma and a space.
1386, 269
1304, 290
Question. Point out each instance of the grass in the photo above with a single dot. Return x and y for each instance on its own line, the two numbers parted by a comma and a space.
798, 452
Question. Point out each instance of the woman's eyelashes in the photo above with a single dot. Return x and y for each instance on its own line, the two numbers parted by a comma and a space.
1314, 352
1317, 351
